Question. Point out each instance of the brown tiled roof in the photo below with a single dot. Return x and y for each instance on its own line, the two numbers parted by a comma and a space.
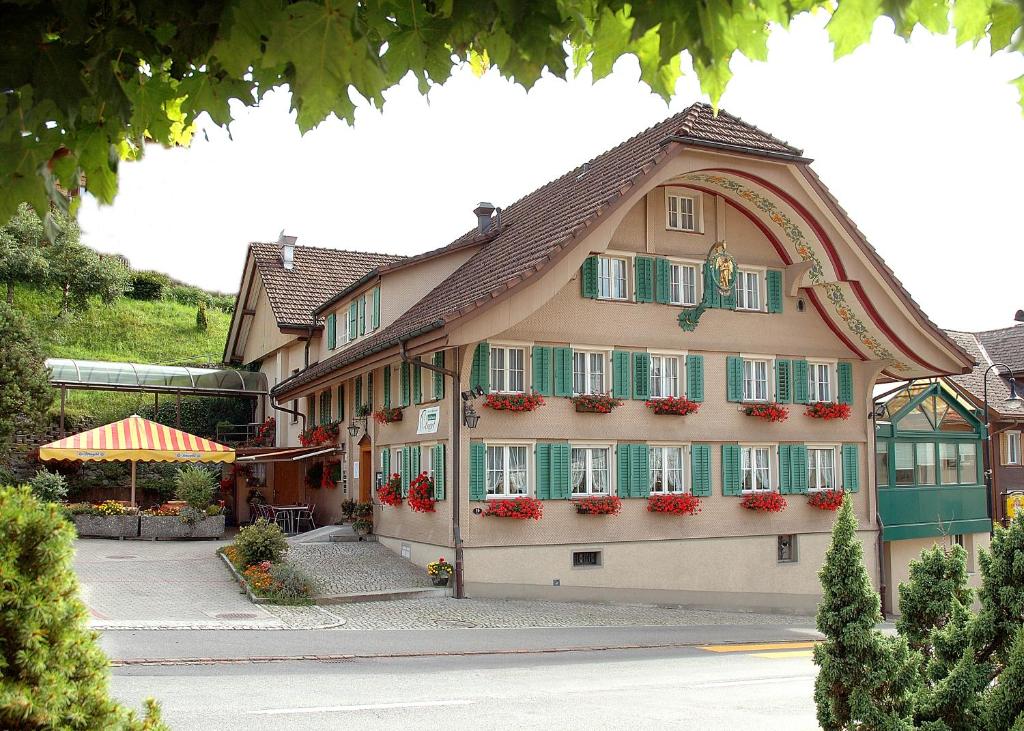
535, 227
317, 274
974, 382
1005, 345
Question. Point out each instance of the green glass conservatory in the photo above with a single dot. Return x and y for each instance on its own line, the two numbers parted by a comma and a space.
928, 464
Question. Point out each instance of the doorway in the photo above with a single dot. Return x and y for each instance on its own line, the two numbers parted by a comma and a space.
365, 468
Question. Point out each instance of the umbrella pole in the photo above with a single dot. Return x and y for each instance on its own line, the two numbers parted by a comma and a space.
133, 483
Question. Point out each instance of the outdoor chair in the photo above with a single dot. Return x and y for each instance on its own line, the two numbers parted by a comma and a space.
306, 516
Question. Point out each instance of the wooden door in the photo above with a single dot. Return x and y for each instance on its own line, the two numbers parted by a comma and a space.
365, 469
288, 479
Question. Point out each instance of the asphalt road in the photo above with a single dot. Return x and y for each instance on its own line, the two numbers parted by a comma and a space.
761, 687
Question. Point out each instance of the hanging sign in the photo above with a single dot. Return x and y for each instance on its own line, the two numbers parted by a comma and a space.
428, 420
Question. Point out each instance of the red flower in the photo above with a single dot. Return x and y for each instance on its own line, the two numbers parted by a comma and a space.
390, 493
598, 505
319, 434
601, 403
387, 415
514, 401
421, 494
682, 504
826, 500
828, 410
768, 412
764, 502
672, 405
521, 508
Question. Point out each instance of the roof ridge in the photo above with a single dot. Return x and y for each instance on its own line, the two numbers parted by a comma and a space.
332, 248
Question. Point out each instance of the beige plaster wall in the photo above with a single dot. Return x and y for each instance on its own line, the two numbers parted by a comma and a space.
261, 334
899, 554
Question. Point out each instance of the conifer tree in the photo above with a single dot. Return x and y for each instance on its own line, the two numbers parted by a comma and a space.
53, 674
937, 580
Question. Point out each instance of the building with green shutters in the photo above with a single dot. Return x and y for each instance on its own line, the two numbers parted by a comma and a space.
607, 378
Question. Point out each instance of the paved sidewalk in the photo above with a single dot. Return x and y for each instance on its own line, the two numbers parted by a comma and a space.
356, 568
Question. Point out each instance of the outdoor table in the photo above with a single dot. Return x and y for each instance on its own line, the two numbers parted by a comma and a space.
290, 512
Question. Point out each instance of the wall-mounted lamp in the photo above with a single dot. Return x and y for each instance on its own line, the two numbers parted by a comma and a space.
469, 416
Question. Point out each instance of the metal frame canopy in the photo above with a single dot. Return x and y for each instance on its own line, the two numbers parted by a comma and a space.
94, 375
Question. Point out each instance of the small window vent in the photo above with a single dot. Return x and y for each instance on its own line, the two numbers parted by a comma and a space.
787, 548
584, 559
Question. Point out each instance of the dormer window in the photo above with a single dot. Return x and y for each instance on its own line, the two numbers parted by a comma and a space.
682, 211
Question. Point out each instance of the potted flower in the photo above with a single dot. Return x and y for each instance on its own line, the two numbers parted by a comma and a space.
522, 508
514, 401
768, 412
387, 415
673, 504
672, 406
195, 515
421, 494
764, 502
362, 527
598, 505
314, 436
439, 571
826, 499
595, 403
390, 493
828, 410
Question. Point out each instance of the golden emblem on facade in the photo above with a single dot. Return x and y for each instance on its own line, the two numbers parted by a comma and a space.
724, 267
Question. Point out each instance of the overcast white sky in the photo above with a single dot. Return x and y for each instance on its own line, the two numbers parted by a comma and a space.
923, 144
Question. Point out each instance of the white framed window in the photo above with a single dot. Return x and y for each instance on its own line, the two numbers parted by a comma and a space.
819, 382
1012, 448
666, 374
396, 462
591, 470
683, 284
668, 469
821, 468
756, 379
341, 317
588, 372
748, 290
756, 468
507, 470
611, 278
427, 460
682, 210
508, 369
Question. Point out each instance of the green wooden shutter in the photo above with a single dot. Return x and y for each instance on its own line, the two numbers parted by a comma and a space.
662, 280
542, 460
798, 457
622, 482
385, 463
844, 374
387, 387
341, 403
783, 384
375, 312
732, 474
438, 359
417, 384
362, 315
480, 371
369, 390
414, 463
352, 321
773, 282
639, 471
437, 460
477, 471
712, 297
560, 471
695, 377
785, 469
643, 270
359, 392
700, 470
406, 469
620, 374
734, 378
332, 336
403, 384
588, 278
541, 361
851, 468
641, 376
800, 384
563, 371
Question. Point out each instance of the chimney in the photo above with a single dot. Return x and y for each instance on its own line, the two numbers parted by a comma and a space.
483, 213
287, 244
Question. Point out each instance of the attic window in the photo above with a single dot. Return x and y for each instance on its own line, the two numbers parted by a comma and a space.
682, 211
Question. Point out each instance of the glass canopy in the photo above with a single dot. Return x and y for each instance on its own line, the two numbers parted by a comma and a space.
106, 376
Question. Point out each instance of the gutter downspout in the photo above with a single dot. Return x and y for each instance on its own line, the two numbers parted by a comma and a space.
309, 340
274, 405
456, 453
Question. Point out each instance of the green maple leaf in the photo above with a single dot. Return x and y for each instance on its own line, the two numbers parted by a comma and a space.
971, 19
851, 24
205, 92
98, 160
931, 14
612, 34
1006, 20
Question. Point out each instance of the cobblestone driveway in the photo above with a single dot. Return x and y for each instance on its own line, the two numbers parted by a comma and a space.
356, 568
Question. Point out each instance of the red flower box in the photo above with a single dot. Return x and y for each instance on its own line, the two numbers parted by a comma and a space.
681, 504
671, 405
390, 493
826, 500
521, 508
387, 415
314, 436
768, 412
421, 494
514, 401
828, 410
764, 502
597, 403
598, 505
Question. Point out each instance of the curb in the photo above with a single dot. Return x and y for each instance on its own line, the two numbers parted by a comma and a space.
386, 595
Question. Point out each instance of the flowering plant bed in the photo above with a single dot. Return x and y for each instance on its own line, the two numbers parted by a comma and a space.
264, 436
828, 410
672, 406
826, 500
514, 401
107, 526
598, 505
421, 494
387, 415
440, 571
764, 502
520, 507
596, 403
390, 493
267, 582
684, 504
768, 412
314, 436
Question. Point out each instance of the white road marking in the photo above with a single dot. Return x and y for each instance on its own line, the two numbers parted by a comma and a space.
750, 681
359, 707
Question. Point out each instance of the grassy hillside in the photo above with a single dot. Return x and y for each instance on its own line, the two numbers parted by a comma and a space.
161, 332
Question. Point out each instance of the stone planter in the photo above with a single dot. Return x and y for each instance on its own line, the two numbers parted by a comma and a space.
440, 580
171, 526
107, 526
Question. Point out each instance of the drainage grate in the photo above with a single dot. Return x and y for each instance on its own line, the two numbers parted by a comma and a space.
121, 556
234, 615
